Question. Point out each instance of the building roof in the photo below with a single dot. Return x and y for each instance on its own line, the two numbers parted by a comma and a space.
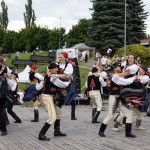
82, 46
145, 42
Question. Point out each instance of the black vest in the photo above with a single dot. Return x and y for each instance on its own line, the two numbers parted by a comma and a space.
49, 87
115, 89
93, 83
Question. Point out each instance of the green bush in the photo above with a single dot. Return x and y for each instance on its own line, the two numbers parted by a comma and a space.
137, 50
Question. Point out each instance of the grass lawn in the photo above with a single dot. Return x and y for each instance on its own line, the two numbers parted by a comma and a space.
42, 68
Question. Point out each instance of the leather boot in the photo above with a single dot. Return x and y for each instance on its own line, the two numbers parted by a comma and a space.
3, 123
6, 117
124, 120
138, 125
36, 116
57, 131
93, 113
73, 117
128, 129
95, 117
17, 119
116, 126
43, 132
102, 130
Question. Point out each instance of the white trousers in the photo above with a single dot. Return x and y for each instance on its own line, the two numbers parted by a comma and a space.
125, 112
111, 106
96, 100
54, 112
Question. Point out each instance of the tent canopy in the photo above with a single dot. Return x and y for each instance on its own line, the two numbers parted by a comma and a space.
24, 75
82, 46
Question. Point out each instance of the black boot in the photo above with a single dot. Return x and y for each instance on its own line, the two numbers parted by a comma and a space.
3, 123
57, 131
124, 120
36, 116
17, 119
43, 131
6, 117
73, 117
95, 117
128, 128
93, 113
102, 130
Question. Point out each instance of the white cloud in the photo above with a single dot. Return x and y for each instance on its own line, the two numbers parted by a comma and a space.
48, 12
16, 25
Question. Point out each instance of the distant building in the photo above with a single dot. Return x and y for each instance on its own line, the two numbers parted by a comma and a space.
145, 42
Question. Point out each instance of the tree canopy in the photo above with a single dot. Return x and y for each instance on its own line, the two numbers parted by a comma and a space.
4, 16
108, 22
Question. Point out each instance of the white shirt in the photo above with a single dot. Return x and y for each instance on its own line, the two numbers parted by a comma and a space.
133, 69
12, 84
122, 81
39, 85
56, 81
68, 70
104, 61
143, 79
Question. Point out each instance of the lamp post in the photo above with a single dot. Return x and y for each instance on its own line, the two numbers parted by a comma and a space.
125, 28
60, 33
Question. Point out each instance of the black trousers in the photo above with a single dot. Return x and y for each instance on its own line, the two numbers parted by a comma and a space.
2, 115
9, 108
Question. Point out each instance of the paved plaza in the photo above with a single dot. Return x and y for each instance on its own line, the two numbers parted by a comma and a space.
81, 133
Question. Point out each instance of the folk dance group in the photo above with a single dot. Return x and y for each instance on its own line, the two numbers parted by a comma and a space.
54, 88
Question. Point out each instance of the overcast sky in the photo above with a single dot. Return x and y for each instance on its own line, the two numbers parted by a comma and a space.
48, 13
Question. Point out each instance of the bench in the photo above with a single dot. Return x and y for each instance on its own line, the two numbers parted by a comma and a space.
81, 98
21, 63
42, 59
52, 55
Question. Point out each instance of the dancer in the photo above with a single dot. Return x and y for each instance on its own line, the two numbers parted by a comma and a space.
3, 91
67, 69
12, 90
116, 83
51, 98
137, 102
37, 79
94, 84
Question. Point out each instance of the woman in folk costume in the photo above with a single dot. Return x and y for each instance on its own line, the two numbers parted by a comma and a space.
94, 83
115, 86
67, 68
136, 103
37, 79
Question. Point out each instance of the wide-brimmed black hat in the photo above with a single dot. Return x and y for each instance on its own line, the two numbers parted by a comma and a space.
114, 65
53, 65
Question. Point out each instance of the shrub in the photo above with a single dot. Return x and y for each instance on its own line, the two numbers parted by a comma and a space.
137, 50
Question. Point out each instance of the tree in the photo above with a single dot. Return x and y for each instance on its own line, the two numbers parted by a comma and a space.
54, 36
78, 33
4, 16
135, 21
107, 26
8, 42
29, 15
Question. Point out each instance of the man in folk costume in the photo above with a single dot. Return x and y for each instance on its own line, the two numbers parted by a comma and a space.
51, 89
136, 102
12, 90
115, 86
129, 71
3, 91
94, 84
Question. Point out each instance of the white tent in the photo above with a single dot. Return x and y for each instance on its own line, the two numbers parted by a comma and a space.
24, 75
